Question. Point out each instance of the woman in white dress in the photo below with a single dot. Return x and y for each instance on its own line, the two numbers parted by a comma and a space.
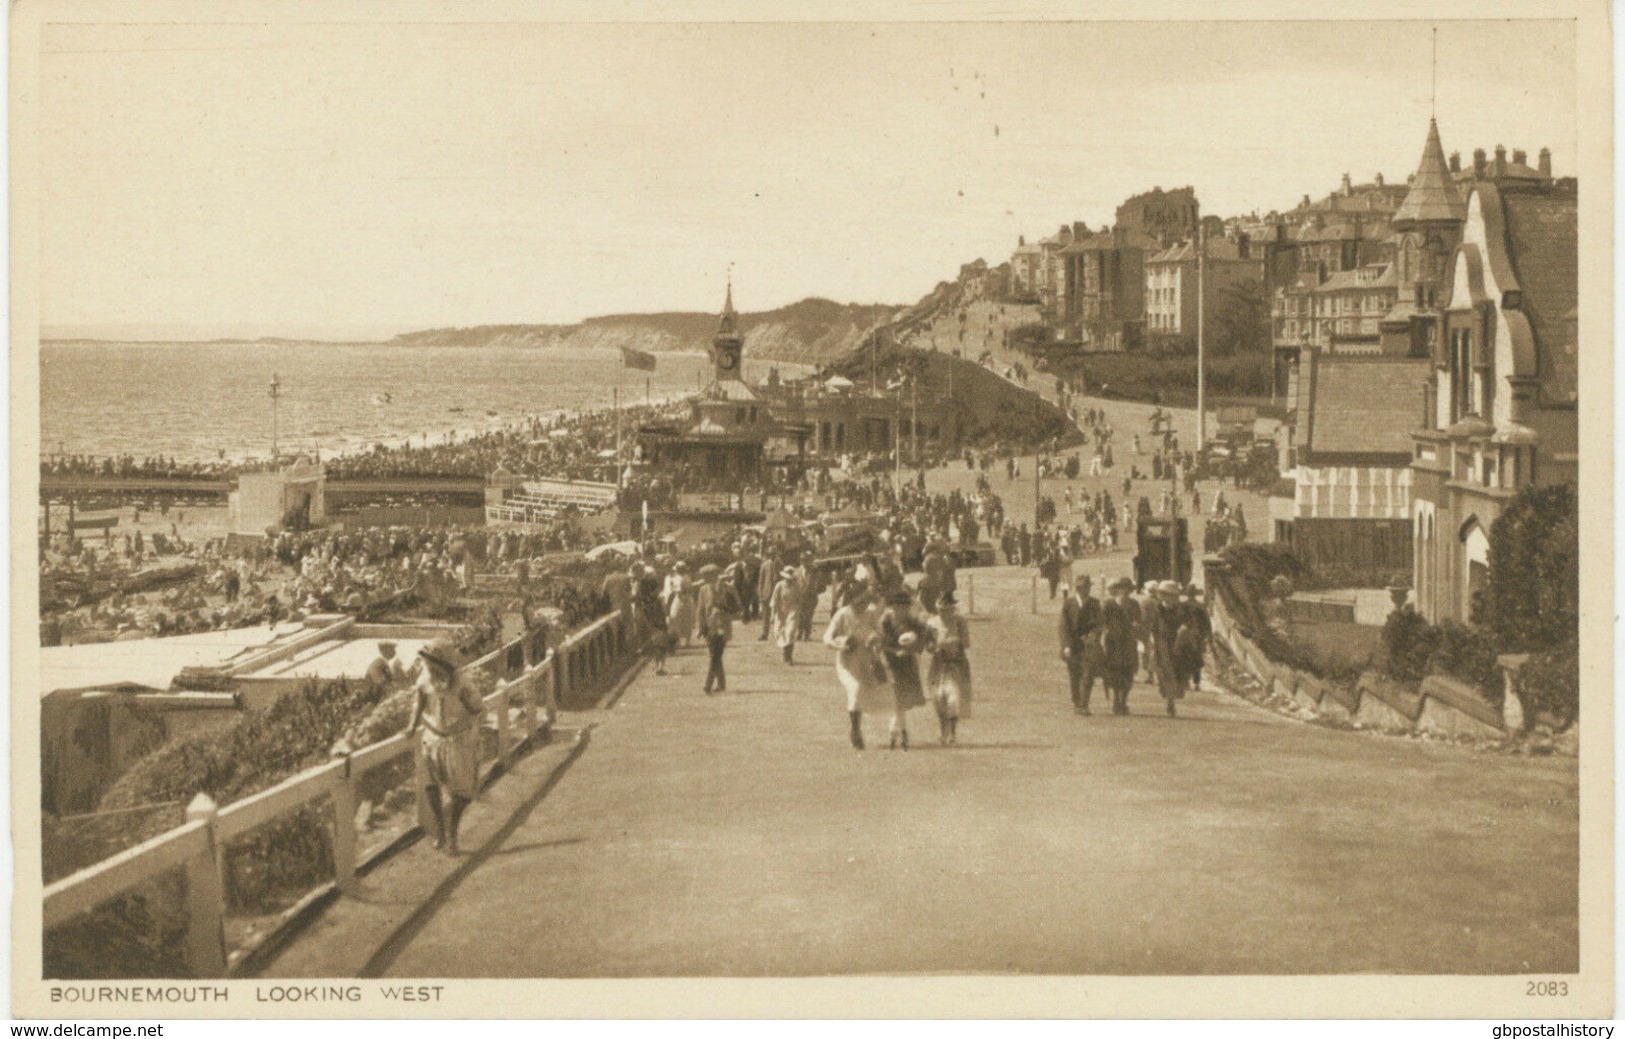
854, 634
682, 598
948, 680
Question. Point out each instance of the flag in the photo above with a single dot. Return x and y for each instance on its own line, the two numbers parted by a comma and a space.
642, 361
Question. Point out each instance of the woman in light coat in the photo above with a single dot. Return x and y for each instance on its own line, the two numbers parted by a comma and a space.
854, 634
784, 609
682, 598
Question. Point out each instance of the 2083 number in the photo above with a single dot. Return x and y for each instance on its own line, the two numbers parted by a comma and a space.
1548, 988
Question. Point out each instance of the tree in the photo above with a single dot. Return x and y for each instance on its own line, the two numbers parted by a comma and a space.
1240, 320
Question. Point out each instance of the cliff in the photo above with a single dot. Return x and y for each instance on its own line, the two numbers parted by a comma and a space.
813, 331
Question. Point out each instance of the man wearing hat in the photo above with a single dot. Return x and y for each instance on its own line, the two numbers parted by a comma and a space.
719, 605
1080, 643
1120, 642
1164, 617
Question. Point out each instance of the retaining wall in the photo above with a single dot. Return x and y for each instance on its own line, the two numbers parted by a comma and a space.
1441, 706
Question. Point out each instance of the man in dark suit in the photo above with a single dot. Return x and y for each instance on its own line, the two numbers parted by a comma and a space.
1080, 643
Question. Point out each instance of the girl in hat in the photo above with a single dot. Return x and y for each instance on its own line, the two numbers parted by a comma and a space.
902, 639
854, 634
449, 750
949, 676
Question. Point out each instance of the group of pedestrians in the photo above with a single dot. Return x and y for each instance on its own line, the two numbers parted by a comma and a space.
1166, 634
877, 659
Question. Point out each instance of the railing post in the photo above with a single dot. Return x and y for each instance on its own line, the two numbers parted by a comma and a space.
343, 798
502, 722
561, 673
532, 674
420, 788
1035, 593
970, 595
205, 897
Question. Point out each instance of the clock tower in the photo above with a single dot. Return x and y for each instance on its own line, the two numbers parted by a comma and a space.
728, 346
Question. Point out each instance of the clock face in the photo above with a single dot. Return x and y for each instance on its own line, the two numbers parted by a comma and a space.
727, 358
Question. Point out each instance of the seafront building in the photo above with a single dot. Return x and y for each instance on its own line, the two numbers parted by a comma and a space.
1499, 409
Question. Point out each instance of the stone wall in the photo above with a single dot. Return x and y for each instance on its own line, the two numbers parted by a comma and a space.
1440, 706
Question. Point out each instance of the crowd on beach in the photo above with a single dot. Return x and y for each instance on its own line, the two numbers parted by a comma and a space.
580, 446
163, 466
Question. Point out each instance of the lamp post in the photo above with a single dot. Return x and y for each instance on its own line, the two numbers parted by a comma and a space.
1201, 339
276, 394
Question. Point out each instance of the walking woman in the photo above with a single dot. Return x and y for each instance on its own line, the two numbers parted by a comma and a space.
680, 603
653, 612
784, 611
854, 634
1190, 645
1163, 619
902, 638
949, 676
1120, 640
449, 750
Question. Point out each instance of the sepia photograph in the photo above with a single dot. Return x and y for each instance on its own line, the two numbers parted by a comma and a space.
516, 497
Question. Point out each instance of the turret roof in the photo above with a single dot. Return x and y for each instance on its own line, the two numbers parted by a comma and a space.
1432, 195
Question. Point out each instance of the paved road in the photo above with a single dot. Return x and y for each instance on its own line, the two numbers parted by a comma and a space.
740, 835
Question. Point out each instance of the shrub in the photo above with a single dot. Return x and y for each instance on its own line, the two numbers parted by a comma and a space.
1408, 641
1468, 652
1257, 564
1532, 598
1550, 682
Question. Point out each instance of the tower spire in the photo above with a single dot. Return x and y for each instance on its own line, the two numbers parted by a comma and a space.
1433, 194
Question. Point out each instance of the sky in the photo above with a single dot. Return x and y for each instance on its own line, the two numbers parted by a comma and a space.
355, 181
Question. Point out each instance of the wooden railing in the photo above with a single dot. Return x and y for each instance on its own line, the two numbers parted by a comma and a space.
584, 659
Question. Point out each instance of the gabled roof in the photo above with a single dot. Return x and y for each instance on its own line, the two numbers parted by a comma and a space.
1542, 235
1432, 195
1362, 409
1350, 281
1182, 252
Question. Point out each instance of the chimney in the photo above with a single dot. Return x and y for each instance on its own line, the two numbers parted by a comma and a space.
1478, 163
1455, 162
1519, 155
1348, 186
1021, 239
1079, 230
1500, 160
1379, 180
1305, 203
1545, 162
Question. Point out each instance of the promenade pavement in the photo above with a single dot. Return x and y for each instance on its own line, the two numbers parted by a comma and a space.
741, 835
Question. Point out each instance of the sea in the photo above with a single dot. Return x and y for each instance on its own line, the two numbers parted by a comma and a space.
212, 401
